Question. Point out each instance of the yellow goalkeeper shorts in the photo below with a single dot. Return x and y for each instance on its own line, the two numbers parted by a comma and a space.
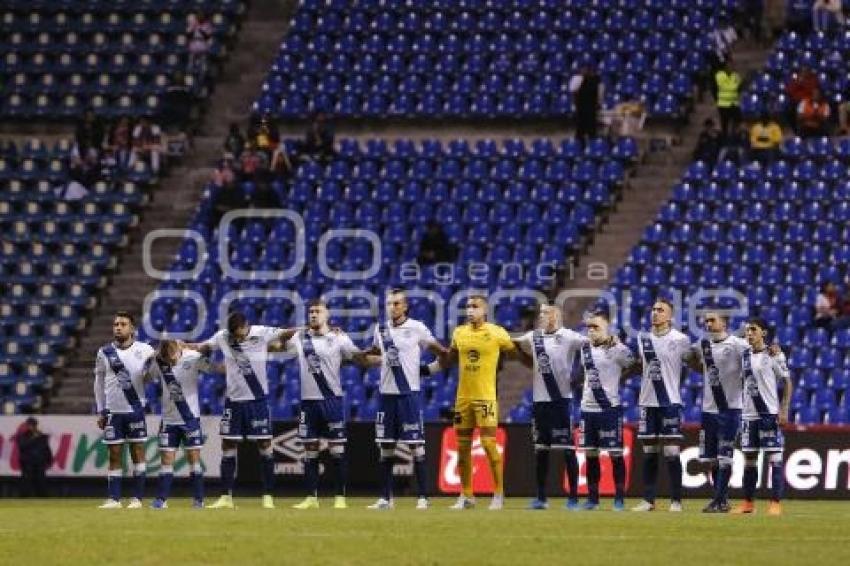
472, 413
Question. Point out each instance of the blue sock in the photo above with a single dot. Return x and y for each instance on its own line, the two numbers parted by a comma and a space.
674, 469
387, 463
751, 477
777, 481
650, 475
197, 477
113, 484
228, 472
267, 467
311, 475
594, 471
139, 478
166, 474
721, 485
542, 469
571, 465
340, 465
420, 469
619, 465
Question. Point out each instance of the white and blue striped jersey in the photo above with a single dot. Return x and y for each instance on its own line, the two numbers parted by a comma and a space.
723, 378
553, 355
119, 385
602, 382
180, 387
400, 362
762, 376
320, 357
662, 367
245, 362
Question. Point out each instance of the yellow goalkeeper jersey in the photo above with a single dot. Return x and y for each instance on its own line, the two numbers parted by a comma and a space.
478, 358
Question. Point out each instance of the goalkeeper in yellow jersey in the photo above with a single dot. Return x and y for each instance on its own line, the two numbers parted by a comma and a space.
476, 347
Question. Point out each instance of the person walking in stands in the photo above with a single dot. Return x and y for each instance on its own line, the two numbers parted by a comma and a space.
728, 83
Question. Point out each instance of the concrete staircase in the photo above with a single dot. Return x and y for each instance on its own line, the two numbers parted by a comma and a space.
175, 200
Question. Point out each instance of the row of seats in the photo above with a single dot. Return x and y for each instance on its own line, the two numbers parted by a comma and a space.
495, 60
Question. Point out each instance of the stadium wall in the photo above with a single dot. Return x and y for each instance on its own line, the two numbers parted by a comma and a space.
817, 460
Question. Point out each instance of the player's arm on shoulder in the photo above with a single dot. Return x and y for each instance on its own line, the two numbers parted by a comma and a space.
284, 335
205, 348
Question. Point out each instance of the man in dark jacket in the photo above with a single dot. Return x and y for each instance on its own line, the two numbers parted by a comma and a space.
586, 91
35, 457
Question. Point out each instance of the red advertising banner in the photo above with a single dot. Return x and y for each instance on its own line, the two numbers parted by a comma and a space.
482, 480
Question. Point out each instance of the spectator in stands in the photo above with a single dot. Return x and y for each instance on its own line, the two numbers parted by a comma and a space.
751, 13
109, 165
281, 165
319, 138
765, 139
224, 175
120, 140
147, 143
800, 87
235, 141
737, 146
828, 312
708, 144
435, 246
798, 15
813, 116
265, 136
827, 16
728, 83
586, 89
252, 162
227, 194
35, 458
88, 135
177, 104
200, 31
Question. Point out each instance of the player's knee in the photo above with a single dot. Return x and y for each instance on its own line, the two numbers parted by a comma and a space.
196, 468
419, 453
387, 452
751, 460
140, 468
724, 462
671, 451
310, 454
775, 459
228, 453
650, 449
337, 450
591, 453
265, 452
165, 470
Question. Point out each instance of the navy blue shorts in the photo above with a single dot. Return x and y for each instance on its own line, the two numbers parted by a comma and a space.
246, 420
660, 422
171, 436
322, 419
399, 419
602, 430
550, 424
125, 427
719, 433
762, 434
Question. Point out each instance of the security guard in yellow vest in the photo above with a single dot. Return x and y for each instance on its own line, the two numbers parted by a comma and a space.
728, 96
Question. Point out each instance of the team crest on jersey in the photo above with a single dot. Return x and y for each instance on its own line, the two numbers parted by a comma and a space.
473, 356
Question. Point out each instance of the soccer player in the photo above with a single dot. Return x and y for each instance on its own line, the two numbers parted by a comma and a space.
119, 391
321, 352
660, 429
718, 356
764, 414
399, 343
179, 370
604, 362
476, 347
246, 410
553, 350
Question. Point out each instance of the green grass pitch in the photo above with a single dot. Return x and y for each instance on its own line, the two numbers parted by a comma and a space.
73, 531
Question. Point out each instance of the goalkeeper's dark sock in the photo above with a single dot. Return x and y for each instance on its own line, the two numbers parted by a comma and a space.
340, 466
594, 471
571, 465
166, 474
228, 471
674, 470
113, 484
491, 448
751, 478
541, 458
